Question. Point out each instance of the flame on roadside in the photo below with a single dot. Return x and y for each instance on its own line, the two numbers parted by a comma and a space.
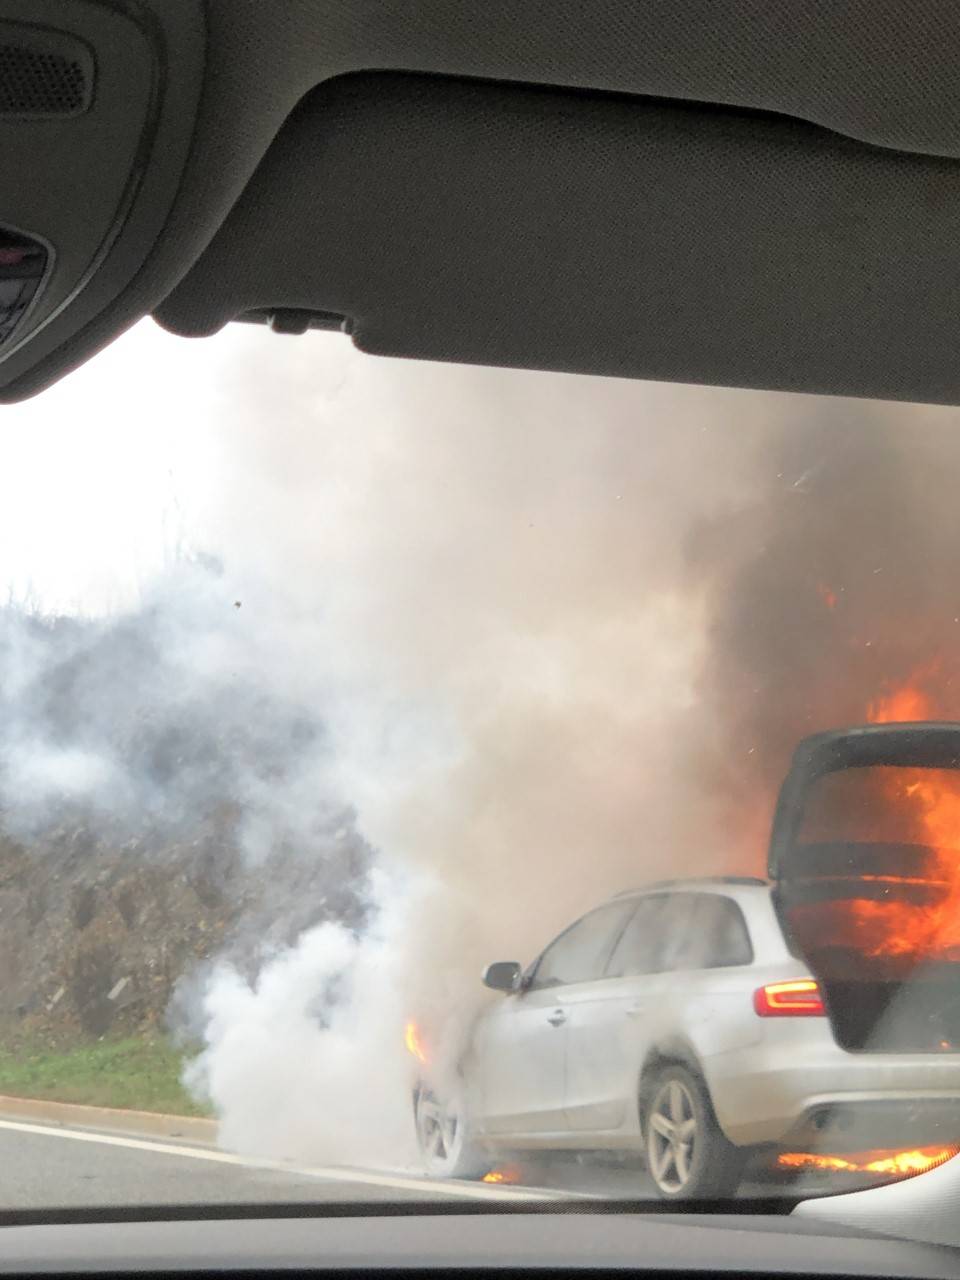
413, 1042
898, 1163
507, 1176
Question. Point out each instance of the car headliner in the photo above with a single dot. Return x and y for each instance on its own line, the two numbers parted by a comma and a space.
723, 191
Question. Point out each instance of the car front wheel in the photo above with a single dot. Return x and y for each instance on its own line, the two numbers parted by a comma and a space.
688, 1155
443, 1138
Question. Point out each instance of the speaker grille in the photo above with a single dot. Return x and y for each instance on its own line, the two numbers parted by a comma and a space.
36, 82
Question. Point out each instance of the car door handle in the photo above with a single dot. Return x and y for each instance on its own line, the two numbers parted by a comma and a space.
557, 1018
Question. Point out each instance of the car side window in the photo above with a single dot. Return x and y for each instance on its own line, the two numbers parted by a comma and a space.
580, 953
677, 931
640, 945
720, 936
703, 931
679, 945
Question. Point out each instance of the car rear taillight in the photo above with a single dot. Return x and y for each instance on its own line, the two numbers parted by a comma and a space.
799, 998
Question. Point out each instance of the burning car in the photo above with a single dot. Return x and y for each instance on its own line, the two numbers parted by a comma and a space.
700, 1021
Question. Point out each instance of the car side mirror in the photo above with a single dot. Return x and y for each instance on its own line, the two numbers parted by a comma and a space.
502, 975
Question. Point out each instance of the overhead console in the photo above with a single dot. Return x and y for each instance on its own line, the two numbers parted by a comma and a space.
97, 102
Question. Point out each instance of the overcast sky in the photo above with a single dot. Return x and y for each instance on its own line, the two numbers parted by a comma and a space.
160, 443
102, 473
229, 443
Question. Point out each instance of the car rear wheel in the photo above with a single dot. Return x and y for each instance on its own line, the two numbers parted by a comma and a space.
688, 1154
443, 1138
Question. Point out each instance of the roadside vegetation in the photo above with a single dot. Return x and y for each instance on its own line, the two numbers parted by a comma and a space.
140, 1074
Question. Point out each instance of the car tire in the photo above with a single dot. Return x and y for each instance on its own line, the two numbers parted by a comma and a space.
688, 1155
443, 1138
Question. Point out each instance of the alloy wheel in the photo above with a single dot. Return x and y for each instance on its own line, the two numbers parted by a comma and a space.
672, 1137
439, 1133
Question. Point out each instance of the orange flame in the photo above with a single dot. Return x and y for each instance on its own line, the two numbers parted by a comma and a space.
907, 703
411, 1038
508, 1175
934, 797
901, 1163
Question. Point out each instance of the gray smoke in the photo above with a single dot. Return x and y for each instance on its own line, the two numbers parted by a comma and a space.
832, 587
159, 799
532, 638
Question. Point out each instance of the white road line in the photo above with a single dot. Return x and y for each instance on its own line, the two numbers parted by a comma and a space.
331, 1173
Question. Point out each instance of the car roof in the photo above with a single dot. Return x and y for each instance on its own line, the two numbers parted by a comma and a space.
702, 884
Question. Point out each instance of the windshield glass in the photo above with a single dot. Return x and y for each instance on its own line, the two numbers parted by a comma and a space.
331, 684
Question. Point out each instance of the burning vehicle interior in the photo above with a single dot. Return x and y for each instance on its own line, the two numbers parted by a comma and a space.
865, 859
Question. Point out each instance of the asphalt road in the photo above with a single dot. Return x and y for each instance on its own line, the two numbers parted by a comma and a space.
57, 1167
43, 1167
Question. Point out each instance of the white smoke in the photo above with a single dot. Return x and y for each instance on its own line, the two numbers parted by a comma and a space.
37, 774
477, 577
306, 1061
501, 588
492, 590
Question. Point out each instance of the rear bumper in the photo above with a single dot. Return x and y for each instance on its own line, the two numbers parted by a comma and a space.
812, 1094
858, 1123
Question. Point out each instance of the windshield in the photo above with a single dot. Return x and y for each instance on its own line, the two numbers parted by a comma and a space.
331, 684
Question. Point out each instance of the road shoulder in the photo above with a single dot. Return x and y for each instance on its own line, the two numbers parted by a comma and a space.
146, 1124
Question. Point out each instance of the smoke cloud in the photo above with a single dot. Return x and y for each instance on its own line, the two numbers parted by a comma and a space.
523, 640
575, 628
832, 587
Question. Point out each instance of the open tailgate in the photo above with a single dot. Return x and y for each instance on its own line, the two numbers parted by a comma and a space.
865, 859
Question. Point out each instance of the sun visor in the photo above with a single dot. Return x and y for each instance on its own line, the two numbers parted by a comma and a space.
506, 224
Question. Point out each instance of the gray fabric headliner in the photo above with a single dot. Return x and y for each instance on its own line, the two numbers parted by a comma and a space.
463, 221
876, 70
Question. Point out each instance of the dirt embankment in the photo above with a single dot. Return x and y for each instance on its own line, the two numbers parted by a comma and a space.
168, 795
103, 937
